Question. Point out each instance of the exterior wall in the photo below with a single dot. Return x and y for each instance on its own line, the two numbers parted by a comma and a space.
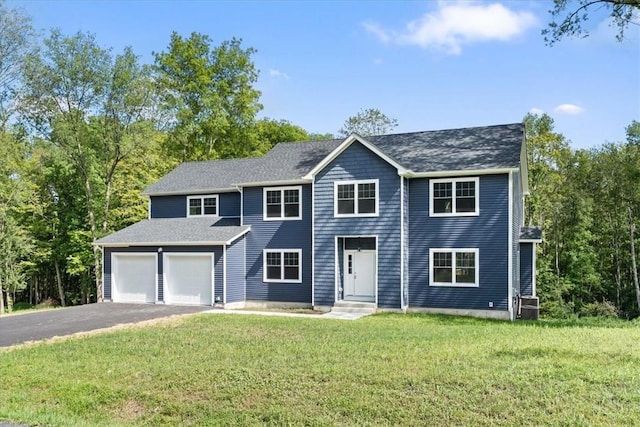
235, 271
176, 206
405, 272
217, 259
489, 232
289, 234
526, 268
356, 163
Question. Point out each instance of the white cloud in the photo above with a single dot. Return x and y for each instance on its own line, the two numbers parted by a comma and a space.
278, 74
455, 24
536, 111
570, 109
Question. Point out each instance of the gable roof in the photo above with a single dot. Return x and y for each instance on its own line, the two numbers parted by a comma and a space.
531, 234
177, 231
468, 150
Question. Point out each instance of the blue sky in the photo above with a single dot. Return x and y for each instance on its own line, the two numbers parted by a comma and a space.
428, 64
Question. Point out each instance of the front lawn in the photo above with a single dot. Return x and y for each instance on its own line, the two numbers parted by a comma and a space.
380, 370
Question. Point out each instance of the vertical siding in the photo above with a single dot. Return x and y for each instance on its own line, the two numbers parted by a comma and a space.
176, 206
489, 232
217, 258
291, 234
356, 163
235, 271
526, 268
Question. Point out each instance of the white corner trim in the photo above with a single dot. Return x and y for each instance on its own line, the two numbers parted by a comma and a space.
510, 249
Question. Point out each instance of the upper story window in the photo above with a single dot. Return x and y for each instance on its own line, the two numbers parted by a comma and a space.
282, 203
454, 267
356, 198
202, 205
459, 196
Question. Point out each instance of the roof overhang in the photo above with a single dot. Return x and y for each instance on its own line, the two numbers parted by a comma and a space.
190, 192
344, 145
449, 173
175, 243
275, 183
530, 241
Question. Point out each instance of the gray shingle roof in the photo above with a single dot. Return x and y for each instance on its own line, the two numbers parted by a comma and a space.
166, 231
475, 148
531, 233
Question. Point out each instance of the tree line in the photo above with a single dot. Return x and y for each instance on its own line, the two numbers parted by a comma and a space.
84, 130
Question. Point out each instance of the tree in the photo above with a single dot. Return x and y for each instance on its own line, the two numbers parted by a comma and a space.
210, 96
271, 131
16, 43
368, 122
95, 109
570, 16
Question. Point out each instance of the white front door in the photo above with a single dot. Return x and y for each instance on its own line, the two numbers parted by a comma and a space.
360, 275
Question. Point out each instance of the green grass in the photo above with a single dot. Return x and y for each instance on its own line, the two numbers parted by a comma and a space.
381, 370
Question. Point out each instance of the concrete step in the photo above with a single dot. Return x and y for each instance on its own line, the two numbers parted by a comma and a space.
353, 307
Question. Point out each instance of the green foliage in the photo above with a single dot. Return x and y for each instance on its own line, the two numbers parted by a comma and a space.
569, 17
208, 93
391, 369
271, 131
367, 122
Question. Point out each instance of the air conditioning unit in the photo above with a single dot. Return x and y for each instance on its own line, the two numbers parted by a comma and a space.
529, 308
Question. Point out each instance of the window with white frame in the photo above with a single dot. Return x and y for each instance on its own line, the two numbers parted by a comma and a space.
283, 265
202, 205
459, 196
282, 203
356, 198
454, 267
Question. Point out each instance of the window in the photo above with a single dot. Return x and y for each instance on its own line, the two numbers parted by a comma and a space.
283, 265
202, 205
454, 197
356, 198
454, 267
282, 203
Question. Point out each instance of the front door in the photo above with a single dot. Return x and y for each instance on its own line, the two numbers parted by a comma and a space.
360, 275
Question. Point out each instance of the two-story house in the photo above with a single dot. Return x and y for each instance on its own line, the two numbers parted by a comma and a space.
425, 221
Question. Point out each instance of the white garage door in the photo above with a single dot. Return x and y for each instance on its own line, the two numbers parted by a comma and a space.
188, 278
133, 277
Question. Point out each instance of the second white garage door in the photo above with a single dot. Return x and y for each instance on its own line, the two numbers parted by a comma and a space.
188, 278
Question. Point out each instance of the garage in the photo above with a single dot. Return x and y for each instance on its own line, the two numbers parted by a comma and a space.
188, 278
134, 277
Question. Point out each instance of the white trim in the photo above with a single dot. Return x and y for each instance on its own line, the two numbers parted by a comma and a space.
510, 249
286, 182
114, 271
190, 192
241, 190
453, 182
224, 277
530, 241
165, 269
355, 184
103, 263
281, 252
336, 270
470, 172
453, 252
149, 207
201, 198
344, 145
402, 284
282, 204
313, 243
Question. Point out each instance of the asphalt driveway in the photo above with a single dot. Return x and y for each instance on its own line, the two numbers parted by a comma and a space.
41, 325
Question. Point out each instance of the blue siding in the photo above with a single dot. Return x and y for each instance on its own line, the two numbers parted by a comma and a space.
405, 260
356, 163
517, 223
293, 234
235, 271
526, 268
217, 258
176, 206
489, 232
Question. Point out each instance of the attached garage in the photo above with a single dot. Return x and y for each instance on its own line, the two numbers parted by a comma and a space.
188, 278
134, 277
